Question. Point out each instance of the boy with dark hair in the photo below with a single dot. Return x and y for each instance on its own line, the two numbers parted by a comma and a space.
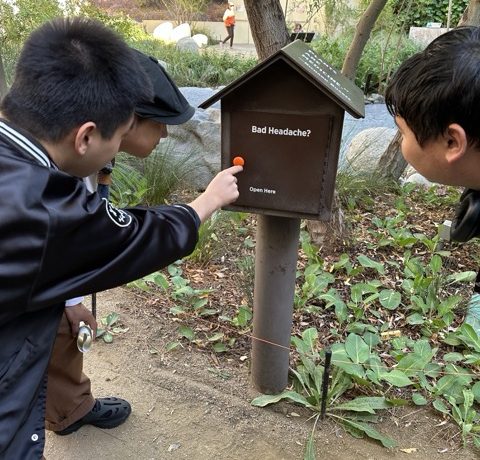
70, 403
74, 62
435, 99
69, 108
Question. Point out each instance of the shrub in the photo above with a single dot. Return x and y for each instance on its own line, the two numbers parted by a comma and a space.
165, 172
208, 69
383, 53
420, 12
152, 180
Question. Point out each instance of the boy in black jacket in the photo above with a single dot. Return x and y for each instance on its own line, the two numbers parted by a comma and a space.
69, 109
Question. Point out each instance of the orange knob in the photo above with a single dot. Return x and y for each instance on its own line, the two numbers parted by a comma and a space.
238, 161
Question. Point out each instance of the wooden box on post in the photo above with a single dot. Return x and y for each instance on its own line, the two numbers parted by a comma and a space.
284, 118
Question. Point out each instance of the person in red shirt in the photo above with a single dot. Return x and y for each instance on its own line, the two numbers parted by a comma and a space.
229, 21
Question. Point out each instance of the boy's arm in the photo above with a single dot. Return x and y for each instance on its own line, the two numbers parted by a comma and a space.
221, 191
92, 246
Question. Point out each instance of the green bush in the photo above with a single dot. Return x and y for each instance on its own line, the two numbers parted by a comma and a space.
129, 186
383, 54
120, 22
421, 12
208, 69
17, 24
152, 180
165, 172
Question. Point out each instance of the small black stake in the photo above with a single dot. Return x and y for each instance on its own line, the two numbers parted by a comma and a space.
94, 305
326, 375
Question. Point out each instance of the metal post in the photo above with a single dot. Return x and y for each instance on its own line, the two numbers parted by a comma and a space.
325, 381
94, 305
275, 270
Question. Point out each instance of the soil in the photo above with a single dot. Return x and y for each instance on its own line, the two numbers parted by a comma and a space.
194, 403
191, 403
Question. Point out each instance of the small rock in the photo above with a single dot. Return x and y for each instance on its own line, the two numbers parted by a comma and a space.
173, 447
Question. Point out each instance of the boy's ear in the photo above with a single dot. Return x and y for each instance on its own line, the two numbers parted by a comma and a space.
83, 137
457, 142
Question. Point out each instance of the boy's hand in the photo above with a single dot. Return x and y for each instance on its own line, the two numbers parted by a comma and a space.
221, 191
78, 313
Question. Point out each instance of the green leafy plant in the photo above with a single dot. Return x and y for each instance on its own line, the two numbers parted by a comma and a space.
165, 172
209, 244
109, 327
382, 55
129, 186
208, 69
356, 416
246, 279
464, 414
421, 12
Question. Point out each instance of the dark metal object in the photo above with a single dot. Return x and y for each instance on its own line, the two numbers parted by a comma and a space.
325, 381
104, 192
275, 269
94, 305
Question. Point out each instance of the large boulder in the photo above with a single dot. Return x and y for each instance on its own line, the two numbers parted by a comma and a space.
195, 96
198, 140
181, 31
366, 148
164, 32
411, 175
201, 40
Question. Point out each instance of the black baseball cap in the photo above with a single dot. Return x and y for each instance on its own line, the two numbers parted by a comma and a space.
168, 105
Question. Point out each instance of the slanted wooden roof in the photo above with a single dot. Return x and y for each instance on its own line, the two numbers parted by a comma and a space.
313, 68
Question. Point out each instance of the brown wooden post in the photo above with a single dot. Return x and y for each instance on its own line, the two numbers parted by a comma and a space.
275, 270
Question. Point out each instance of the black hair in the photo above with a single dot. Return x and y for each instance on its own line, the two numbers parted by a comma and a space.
70, 71
439, 86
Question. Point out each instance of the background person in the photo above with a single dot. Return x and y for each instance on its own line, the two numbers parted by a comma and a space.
229, 21
298, 28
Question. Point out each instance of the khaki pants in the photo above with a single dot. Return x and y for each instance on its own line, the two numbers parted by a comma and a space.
69, 395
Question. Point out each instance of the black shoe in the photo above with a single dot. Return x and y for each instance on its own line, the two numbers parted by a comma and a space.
106, 413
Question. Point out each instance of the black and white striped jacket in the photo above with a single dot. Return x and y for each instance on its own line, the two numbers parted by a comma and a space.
58, 241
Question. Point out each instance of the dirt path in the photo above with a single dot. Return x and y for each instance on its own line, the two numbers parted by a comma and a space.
187, 405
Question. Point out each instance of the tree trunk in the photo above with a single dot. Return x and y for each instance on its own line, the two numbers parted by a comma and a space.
268, 26
269, 31
3, 79
471, 15
362, 34
392, 164
323, 233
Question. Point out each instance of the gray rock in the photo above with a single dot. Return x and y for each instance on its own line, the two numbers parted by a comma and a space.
374, 99
417, 178
195, 96
198, 140
376, 115
411, 175
366, 149
188, 44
